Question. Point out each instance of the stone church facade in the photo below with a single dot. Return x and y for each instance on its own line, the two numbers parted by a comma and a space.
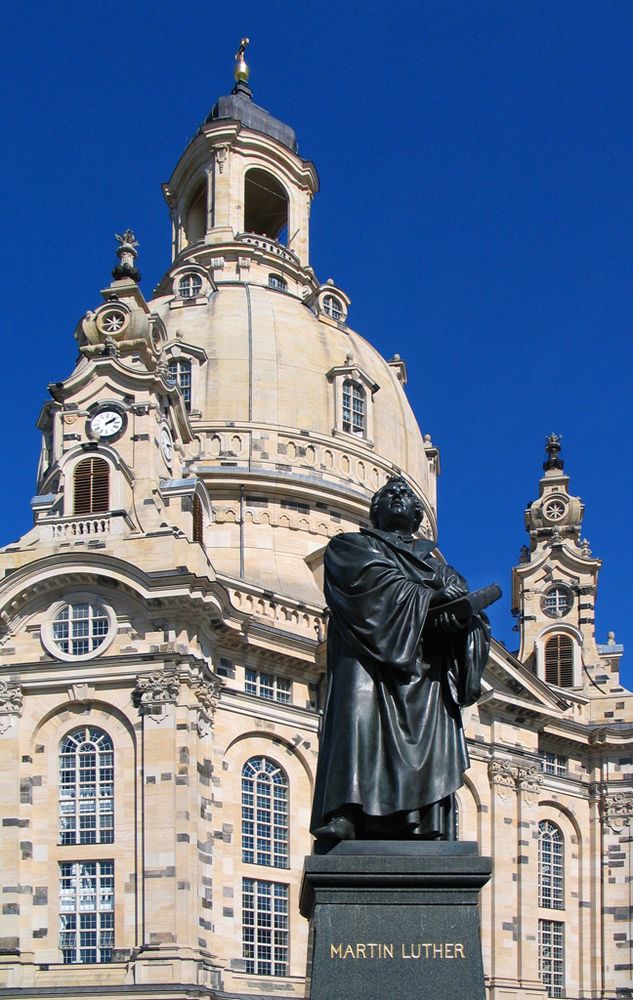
162, 631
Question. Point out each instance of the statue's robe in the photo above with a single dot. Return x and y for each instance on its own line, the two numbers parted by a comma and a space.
392, 738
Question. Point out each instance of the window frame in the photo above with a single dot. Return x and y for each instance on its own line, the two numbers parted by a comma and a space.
551, 866
555, 592
95, 510
354, 393
548, 930
561, 661
71, 875
50, 640
178, 360
333, 307
266, 927
76, 773
193, 278
265, 813
258, 686
278, 282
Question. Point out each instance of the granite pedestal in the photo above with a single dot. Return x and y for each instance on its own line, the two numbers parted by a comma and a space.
395, 919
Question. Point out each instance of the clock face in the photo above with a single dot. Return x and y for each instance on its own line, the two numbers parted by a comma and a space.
166, 444
107, 423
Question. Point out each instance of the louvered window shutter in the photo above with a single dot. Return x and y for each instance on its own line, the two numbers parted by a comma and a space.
92, 486
559, 661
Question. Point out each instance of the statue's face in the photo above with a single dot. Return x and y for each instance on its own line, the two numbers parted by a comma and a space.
396, 508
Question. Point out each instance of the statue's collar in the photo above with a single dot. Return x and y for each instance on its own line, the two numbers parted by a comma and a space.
421, 546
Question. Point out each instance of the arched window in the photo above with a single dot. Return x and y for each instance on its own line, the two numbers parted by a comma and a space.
353, 408
332, 307
265, 205
559, 661
86, 787
196, 215
179, 370
189, 286
91, 481
276, 281
551, 865
264, 813
198, 520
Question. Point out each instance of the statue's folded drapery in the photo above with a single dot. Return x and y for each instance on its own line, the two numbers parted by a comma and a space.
392, 737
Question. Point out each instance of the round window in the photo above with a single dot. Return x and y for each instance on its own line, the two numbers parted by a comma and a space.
112, 321
78, 628
557, 601
554, 510
189, 286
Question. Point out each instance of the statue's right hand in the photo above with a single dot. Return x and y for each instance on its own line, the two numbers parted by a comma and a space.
454, 590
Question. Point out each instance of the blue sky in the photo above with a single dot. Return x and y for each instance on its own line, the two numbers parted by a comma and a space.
476, 204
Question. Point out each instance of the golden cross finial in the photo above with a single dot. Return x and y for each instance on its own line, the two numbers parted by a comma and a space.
241, 69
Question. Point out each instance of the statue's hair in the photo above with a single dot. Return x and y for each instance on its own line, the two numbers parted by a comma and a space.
375, 500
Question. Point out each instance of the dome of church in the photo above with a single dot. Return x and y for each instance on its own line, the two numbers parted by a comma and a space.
271, 364
298, 419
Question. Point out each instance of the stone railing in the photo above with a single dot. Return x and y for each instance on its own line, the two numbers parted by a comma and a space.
79, 527
268, 245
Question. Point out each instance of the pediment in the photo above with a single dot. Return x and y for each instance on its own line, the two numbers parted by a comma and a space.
509, 684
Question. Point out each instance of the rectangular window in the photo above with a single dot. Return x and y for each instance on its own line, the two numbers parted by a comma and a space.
554, 763
225, 667
268, 686
86, 911
551, 956
265, 927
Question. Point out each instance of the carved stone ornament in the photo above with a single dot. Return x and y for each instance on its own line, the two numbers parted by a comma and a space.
616, 809
502, 776
10, 704
221, 151
155, 692
529, 780
208, 695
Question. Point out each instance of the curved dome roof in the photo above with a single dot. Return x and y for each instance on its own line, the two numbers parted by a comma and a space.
273, 363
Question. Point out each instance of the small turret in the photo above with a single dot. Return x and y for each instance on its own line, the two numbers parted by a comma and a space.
554, 585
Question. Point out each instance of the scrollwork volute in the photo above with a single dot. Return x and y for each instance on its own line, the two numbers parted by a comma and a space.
11, 699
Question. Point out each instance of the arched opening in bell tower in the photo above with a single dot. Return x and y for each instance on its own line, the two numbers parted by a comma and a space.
265, 205
195, 217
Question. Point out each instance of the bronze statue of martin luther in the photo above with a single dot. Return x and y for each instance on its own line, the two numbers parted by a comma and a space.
407, 645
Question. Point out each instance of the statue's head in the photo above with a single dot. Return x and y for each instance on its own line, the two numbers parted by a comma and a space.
396, 507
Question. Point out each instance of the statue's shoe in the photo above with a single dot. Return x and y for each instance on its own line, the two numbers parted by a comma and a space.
338, 828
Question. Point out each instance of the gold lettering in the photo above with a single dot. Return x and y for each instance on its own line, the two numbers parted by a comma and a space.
404, 952
448, 950
349, 952
426, 949
336, 951
388, 949
360, 951
438, 951
459, 950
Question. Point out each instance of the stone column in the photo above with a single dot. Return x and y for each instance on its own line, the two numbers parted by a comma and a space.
15, 842
528, 784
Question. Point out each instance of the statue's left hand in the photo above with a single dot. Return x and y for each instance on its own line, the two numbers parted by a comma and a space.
448, 623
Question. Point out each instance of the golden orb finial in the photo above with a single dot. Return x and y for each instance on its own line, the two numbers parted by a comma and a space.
241, 69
